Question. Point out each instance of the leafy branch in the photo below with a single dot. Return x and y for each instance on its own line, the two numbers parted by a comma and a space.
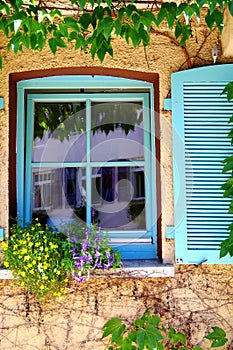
149, 333
90, 24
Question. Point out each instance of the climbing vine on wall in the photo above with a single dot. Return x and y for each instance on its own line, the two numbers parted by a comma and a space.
90, 25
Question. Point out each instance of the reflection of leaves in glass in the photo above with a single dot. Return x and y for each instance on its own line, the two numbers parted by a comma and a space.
61, 119
110, 116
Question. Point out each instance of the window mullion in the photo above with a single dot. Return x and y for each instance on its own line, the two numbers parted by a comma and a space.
88, 159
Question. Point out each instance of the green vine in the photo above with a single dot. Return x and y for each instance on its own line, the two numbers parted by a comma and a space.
29, 24
149, 333
226, 246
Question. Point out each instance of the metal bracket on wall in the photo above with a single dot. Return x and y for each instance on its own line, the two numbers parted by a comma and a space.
1, 102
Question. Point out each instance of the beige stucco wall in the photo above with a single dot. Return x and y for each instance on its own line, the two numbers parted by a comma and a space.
195, 299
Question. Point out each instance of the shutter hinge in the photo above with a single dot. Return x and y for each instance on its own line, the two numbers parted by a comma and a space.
1, 233
1, 102
167, 104
170, 232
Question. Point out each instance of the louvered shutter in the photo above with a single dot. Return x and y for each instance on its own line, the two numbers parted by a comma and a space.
200, 116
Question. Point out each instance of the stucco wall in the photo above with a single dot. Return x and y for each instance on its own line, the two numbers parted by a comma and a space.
195, 299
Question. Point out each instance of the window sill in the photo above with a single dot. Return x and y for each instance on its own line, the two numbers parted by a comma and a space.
130, 268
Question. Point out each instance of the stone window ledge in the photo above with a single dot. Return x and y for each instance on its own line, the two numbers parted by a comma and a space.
130, 268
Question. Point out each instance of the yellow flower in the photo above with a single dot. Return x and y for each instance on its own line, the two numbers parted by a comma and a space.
6, 264
33, 262
26, 258
23, 251
15, 246
30, 244
4, 245
22, 273
39, 258
36, 219
37, 244
33, 228
20, 256
46, 249
31, 271
66, 280
42, 287
29, 265
58, 272
22, 284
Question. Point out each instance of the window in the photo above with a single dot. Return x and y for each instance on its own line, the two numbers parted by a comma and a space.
86, 153
200, 127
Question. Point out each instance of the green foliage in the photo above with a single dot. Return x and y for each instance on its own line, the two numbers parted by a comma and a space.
148, 333
218, 337
226, 246
30, 25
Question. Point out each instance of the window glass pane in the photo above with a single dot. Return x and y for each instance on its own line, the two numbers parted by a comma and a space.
117, 131
118, 198
60, 196
57, 127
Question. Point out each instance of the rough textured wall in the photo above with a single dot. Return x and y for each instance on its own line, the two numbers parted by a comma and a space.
198, 298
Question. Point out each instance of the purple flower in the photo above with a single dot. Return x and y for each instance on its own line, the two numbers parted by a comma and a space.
97, 254
89, 258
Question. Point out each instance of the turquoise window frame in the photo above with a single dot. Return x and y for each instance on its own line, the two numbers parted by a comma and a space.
143, 91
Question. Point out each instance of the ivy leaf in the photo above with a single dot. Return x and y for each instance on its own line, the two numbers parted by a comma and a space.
230, 6
228, 90
218, 337
226, 247
85, 20
82, 4
52, 45
115, 327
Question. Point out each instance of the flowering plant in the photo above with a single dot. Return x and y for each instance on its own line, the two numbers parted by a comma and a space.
39, 258
42, 259
92, 252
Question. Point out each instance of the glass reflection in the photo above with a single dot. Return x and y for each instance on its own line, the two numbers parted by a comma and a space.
59, 195
117, 131
118, 197
56, 127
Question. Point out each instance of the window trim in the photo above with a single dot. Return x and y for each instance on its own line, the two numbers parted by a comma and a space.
100, 82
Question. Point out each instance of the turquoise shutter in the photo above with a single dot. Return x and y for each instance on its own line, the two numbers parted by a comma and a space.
200, 116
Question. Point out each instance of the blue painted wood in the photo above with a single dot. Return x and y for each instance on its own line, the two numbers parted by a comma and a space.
167, 104
170, 232
1, 102
24, 196
200, 125
1, 233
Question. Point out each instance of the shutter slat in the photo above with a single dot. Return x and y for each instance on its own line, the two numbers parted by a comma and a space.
206, 116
